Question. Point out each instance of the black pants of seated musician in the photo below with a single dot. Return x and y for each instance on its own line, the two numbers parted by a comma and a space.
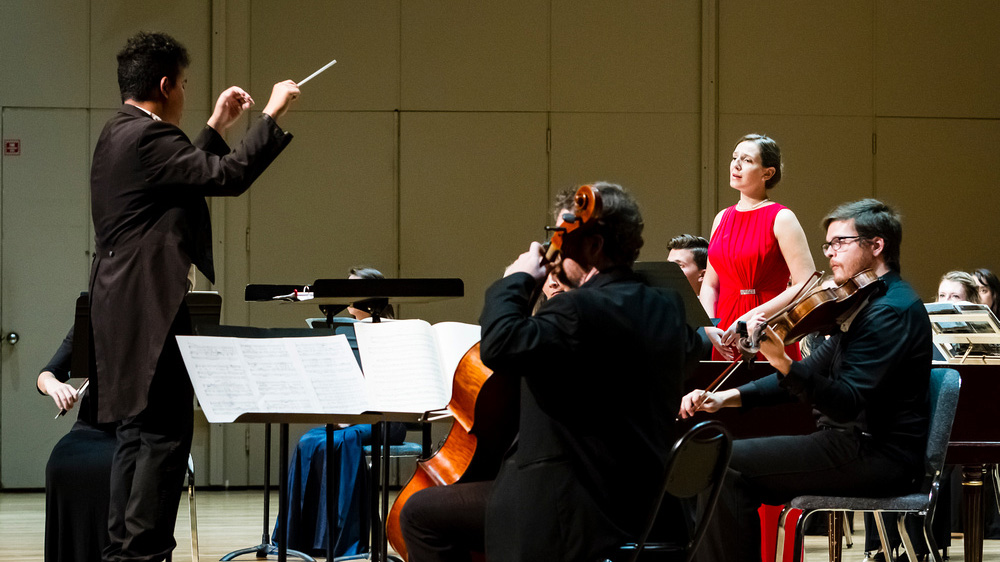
773, 470
150, 461
446, 523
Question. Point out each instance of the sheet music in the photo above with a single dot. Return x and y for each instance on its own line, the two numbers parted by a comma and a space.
402, 366
232, 376
454, 340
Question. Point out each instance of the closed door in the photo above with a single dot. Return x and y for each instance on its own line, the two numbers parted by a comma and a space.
44, 262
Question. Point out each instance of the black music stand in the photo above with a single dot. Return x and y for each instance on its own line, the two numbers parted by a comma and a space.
265, 547
330, 294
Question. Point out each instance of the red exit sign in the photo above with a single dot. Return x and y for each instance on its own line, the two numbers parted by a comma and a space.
11, 147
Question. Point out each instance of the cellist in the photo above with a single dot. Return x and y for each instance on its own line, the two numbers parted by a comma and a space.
601, 373
868, 383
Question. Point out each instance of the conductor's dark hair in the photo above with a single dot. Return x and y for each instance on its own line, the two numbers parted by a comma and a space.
145, 59
620, 223
872, 219
770, 156
697, 245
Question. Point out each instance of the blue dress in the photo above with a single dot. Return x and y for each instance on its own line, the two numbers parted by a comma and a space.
307, 513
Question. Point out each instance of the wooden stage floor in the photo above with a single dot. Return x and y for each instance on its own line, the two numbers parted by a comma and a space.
231, 520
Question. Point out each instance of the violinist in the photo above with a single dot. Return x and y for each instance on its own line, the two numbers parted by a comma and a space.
868, 386
600, 368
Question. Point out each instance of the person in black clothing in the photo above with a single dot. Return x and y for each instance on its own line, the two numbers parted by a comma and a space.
78, 474
152, 229
868, 385
601, 371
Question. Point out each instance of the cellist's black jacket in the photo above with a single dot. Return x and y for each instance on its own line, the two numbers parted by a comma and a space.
602, 369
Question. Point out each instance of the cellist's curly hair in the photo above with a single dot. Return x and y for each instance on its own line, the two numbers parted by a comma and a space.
620, 223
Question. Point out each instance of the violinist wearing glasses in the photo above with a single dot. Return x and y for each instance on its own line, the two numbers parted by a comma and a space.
867, 384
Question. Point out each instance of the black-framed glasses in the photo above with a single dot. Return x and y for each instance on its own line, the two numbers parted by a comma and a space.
838, 242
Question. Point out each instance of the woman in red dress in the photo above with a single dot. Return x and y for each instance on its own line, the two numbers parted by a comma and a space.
758, 257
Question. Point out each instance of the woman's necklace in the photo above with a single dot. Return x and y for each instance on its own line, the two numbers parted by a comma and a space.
751, 207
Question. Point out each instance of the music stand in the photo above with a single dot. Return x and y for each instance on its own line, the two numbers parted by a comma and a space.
668, 275
330, 294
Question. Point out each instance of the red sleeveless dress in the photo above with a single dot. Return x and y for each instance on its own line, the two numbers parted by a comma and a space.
745, 255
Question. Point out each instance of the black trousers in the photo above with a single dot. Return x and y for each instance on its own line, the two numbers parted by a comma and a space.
774, 470
150, 461
446, 523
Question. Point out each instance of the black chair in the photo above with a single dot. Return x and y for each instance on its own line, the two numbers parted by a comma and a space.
697, 465
944, 387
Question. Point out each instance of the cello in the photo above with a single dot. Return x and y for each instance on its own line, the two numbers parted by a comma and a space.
484, 407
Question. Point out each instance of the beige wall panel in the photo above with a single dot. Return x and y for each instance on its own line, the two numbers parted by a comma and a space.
43, 59
327, 203
945, 186
655, 156
827, 161
475, 56
293, 40
786, 57
472, 198
112, 22
639, 55
938, 59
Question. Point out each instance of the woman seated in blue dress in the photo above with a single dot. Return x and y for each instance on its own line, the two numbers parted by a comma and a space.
307, 512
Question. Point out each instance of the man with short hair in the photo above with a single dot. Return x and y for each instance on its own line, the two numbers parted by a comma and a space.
601, 369
151, 222
868, 384
690, 252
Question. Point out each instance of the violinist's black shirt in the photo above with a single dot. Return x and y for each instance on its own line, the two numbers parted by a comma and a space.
874, 376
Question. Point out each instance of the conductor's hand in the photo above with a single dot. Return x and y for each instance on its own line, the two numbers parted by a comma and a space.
64, 395
228, 108
282, 96
531, 262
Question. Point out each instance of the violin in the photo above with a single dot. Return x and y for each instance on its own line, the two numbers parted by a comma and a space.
821, 310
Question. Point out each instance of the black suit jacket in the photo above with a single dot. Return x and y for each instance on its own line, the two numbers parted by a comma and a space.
148, 187
602, 369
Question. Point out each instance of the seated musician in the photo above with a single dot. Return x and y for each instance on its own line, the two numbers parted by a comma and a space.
958, 286
601, 370
76, 516
690, 252
307, 510
868, 383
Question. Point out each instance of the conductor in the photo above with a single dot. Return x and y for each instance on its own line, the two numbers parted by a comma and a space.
151, 222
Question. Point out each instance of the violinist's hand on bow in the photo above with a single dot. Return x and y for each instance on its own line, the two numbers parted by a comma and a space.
701, 401
531, 262
773, 350
715, 335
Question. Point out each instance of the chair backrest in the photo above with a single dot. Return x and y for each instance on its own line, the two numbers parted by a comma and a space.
944, 386
697, 464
